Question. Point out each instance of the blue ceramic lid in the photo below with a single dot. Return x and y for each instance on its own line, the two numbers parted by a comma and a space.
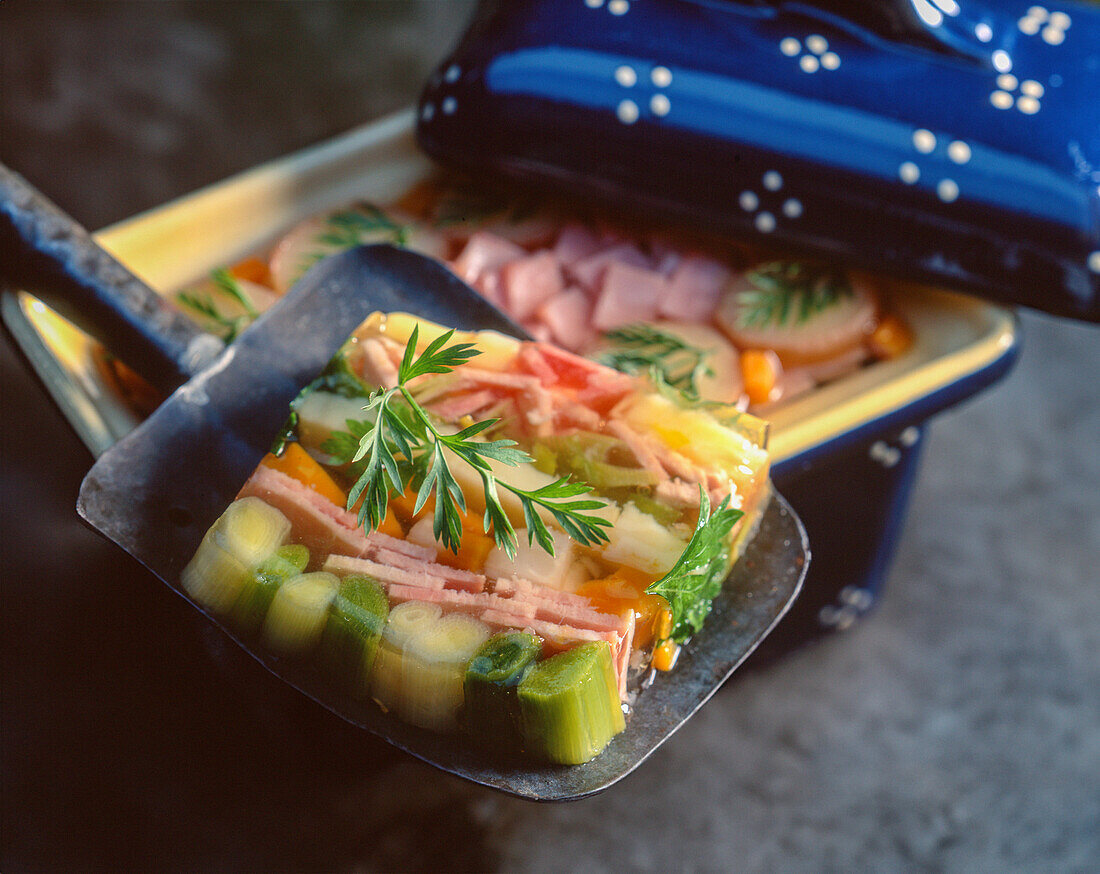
951, 141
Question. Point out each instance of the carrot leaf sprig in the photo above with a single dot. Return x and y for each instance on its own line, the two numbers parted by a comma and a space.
696, 578
403, 447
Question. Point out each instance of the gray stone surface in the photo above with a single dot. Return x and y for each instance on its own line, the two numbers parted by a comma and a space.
956, 729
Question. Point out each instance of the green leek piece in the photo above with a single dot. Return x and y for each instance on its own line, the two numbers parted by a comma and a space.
601, 475
492, 709
354, 628
259, 589
296, 618
569, 704
602, 461
245, 534
660, 511
544, 458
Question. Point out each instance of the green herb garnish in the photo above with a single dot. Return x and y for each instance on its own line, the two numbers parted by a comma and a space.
363, 223
400, 446
696, 578
790, 290
204, 304
643, 348
347, 229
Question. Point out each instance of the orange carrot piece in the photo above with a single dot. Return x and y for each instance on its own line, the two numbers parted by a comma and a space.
665, 655
253, 270
297, 463
891, 337
625, 590
760, 370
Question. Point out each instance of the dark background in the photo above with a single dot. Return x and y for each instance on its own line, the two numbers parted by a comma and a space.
957, 728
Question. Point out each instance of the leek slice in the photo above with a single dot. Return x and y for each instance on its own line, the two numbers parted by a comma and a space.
421, 662
492, 709
404, 622
297, 614
244, 535
569, 704
434, 665
354, 628
259, 589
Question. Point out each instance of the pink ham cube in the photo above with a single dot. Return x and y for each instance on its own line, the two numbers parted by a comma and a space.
484, 253
589, 271
529, 282
569, 317
694, 289
628, 294
576, 242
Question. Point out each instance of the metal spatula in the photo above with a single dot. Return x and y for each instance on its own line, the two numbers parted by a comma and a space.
157, 491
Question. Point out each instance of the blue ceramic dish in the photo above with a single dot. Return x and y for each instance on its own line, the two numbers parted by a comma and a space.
949, 142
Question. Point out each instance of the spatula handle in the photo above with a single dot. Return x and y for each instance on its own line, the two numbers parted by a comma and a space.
45, 252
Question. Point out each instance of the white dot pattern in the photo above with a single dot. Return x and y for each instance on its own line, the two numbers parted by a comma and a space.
947, 190
773, 181
661, 77
452, 74
449, 105
959, 152
659, 104
792, 208
749, 201
817, 44
817, 57
765, 222
983, 32
626, 76
1002, 61
909, 172
627, 112
618, 7
924, 141
1094, 261
1028, 99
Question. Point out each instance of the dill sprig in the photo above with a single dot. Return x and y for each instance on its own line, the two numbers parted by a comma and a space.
362, 223
643, 348
400, 446
786, 291
346, 229
204, 304
696, 578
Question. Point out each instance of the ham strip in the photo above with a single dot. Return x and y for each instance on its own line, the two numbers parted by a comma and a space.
318, 523
384, 573
428, 575
473, 603
456, 578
